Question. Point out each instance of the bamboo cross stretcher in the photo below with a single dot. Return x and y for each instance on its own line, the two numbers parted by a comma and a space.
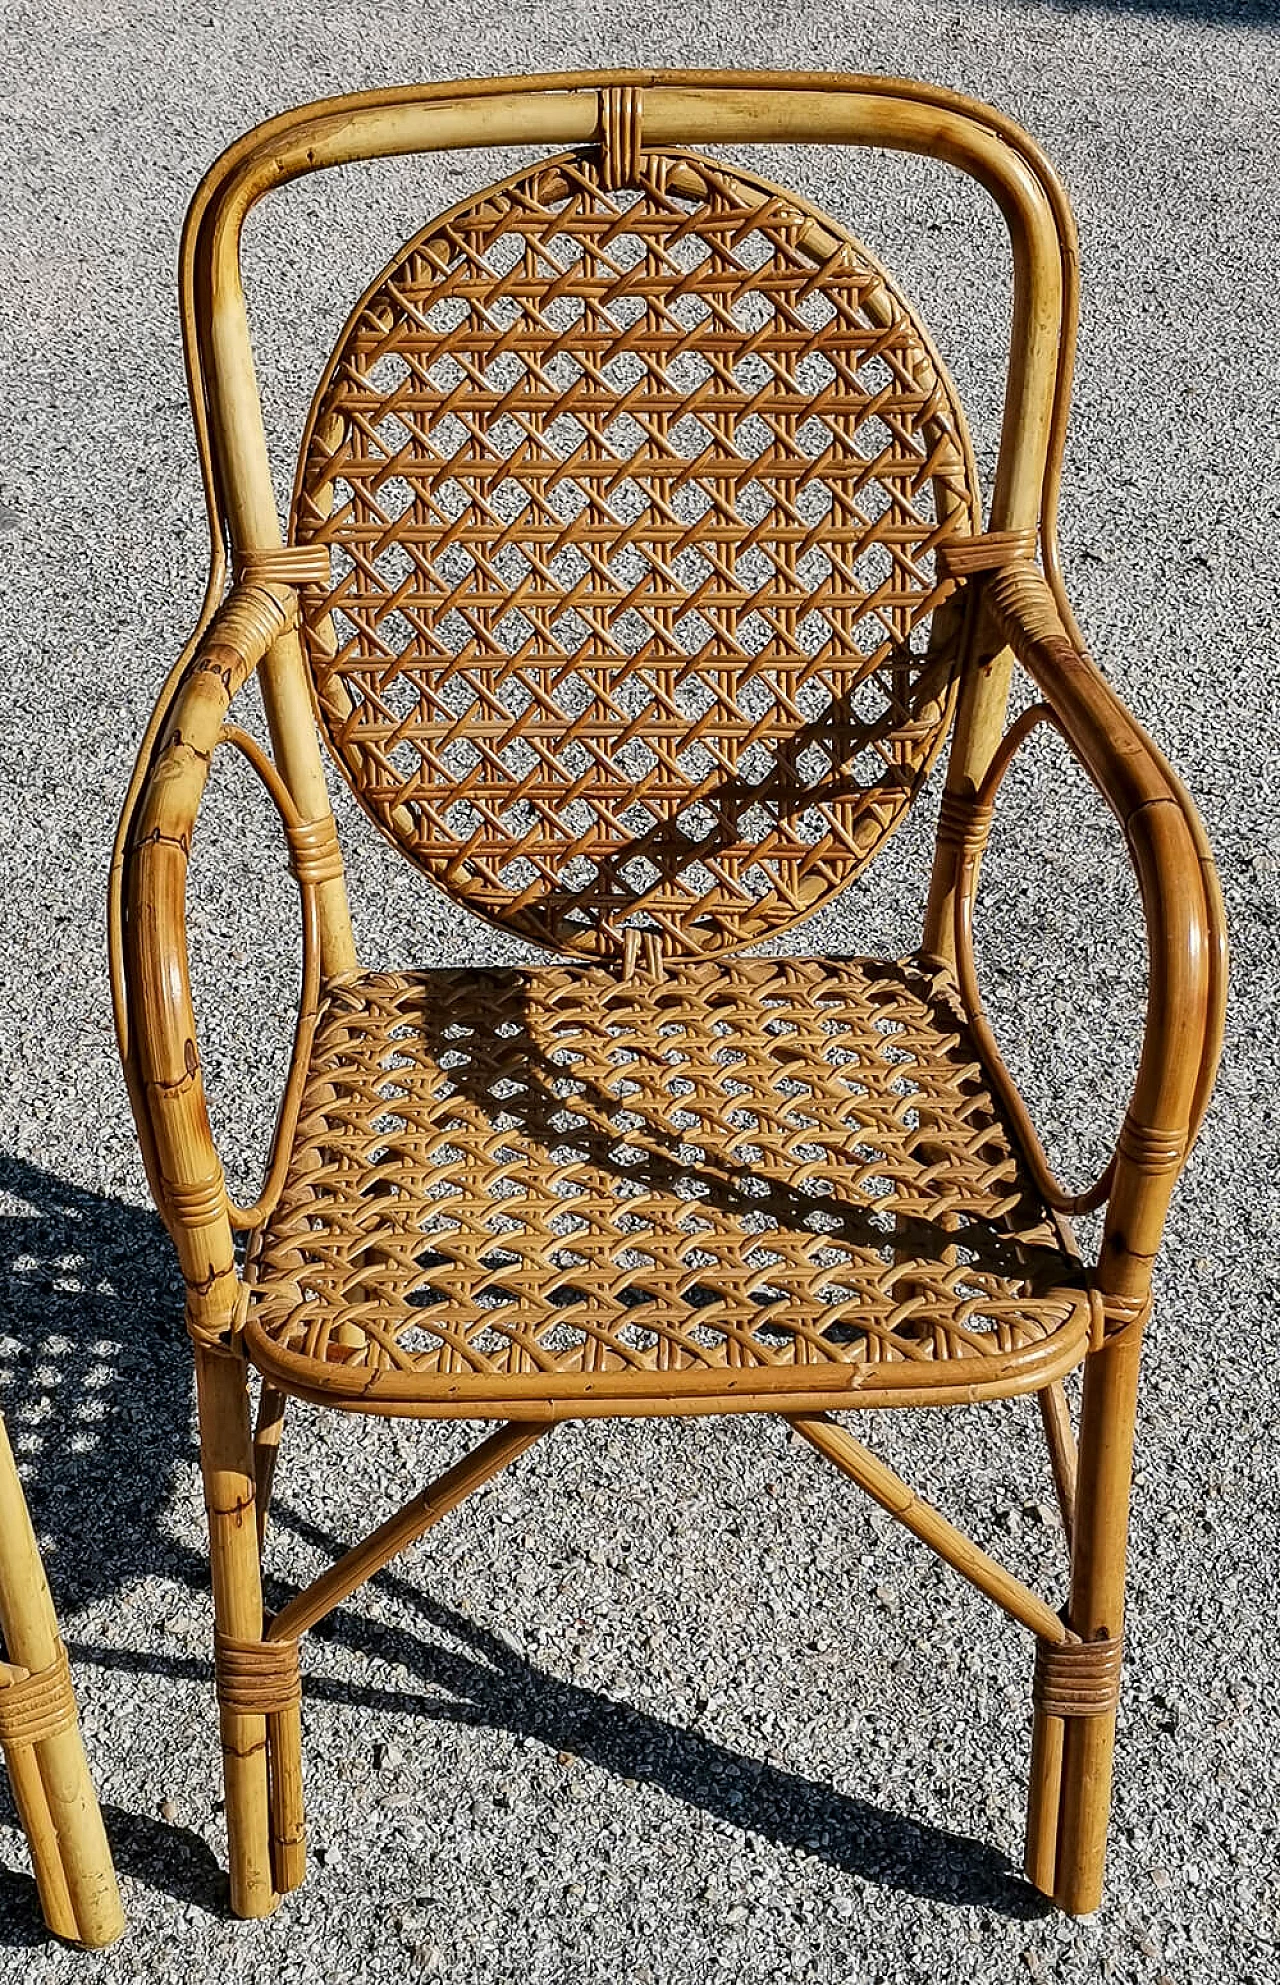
1073, 1678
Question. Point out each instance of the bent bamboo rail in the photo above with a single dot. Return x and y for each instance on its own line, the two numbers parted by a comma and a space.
1186, 937
149, 953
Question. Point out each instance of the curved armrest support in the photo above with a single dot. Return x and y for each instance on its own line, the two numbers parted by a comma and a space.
1186, 939
149, 948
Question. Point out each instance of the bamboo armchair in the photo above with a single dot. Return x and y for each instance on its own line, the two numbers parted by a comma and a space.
635, 567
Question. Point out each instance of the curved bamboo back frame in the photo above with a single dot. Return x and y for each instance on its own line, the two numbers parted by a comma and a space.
676, 108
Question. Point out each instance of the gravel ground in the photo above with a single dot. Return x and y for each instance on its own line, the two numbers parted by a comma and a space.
666, 1703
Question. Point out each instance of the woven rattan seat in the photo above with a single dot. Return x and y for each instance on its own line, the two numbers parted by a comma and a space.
635, 569
510, 1185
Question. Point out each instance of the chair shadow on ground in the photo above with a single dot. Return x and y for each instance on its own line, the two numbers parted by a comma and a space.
95, 1382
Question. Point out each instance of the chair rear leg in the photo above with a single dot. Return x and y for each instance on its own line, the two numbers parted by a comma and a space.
227, 1462
284, 1726
1044, 1800
288, 1822
1077, 1686
266, 1449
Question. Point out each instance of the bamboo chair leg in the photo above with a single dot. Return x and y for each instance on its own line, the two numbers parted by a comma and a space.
1044, 1801
50, 1777
288, 1817
1055, 1416
226, 1456
1072, 1755
284, 1730
266, 1449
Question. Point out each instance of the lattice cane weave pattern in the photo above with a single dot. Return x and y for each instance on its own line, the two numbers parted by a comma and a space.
561, 1171
634, 498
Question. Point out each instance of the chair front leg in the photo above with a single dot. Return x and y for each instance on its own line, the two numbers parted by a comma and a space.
227, 1464
1077, 1686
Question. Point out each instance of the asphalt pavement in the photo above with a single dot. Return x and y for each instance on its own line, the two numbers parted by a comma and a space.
666, 1703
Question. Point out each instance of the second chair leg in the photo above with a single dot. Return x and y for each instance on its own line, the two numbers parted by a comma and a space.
288, 1825
227, 1462
49, 1774
1070, 1802
1044, 1800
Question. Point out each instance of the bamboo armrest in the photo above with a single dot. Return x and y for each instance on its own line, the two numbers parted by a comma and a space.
1182, 904
149, 944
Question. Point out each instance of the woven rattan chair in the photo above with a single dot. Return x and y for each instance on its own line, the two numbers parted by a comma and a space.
40, 1738
635, 564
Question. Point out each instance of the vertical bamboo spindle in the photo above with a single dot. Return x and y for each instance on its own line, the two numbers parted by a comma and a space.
1097, 1608
1047, 1732
266, 1450
1044, 1800
226, 1450
288, 1821
284, 1729
36, 1821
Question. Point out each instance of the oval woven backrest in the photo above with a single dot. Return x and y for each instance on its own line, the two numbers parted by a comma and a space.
633, 497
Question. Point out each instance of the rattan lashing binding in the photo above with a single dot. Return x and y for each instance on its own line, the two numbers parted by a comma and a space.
1078, 1677
636, 555
256, 1677
38, 1703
